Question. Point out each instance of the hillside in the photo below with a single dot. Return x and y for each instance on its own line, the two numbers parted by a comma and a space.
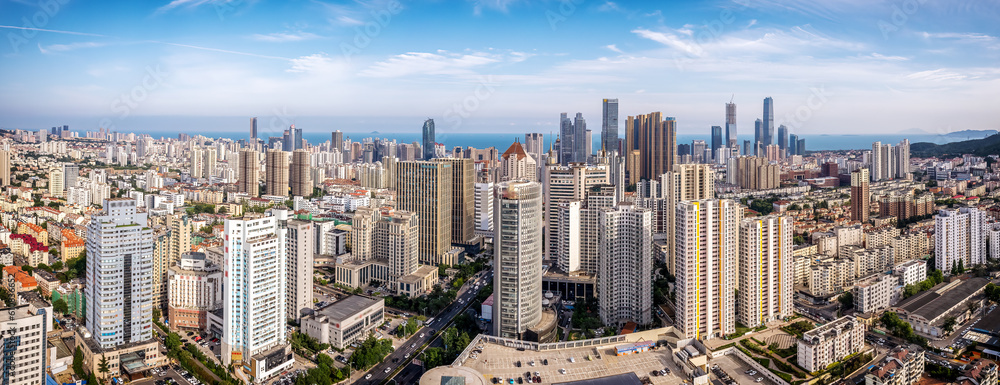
980, 147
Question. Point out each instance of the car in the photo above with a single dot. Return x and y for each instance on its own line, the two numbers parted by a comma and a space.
413, 345
517, 364
387, 369
759, 379
536, 374
406, 356
368, 376
571, 359
562, 371
421, 335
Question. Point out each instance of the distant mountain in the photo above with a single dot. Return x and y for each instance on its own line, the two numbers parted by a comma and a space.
967, 134
979, 147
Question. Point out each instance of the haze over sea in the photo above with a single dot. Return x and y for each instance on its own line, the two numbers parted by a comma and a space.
503, 140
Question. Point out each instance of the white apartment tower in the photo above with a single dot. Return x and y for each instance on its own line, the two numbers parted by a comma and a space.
959, 237
518, 258
24, 340
254, 294
706, 237
766, 272
484, 209
624, 273
300, 241
119, 292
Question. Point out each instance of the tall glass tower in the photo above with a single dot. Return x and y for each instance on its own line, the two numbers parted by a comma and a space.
609, 126
768, 123
428, 139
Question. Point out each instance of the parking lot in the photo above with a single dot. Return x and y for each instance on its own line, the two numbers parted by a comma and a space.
575, 364
736, 369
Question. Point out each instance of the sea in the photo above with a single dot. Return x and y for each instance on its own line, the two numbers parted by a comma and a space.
503, 140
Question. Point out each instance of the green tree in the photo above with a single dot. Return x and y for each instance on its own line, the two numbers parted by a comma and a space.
78, 362
846, 300
156, 314
103, 366
949, 325
60, 306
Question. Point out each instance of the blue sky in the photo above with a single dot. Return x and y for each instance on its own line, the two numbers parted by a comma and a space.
846, 66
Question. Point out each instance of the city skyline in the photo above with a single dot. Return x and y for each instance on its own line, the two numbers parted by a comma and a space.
292, 62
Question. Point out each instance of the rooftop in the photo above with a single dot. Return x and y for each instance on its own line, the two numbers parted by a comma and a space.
348, 307
935, 302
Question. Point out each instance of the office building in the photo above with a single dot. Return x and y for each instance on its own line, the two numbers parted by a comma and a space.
385, 248
337, 141
254, 299
516, 163
793, 141
425, 188
463, 214
26, 356
300, 244
428, 141
759, 137
346, 321
609, 126
706, 268
572, 139
650, 146
730, 123
534, 145
276, 175
624, 281
783, 139
301, 176
517, 261
765, 266
71, 172
120, 275
767, 125
959, 238
860, 195
717, 142
249, 177
253, 127
830, 343
194, 287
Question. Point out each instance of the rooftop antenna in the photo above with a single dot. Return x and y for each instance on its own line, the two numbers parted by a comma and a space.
731, 99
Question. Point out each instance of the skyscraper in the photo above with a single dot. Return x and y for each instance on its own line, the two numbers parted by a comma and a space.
428, 139
783, 138
765, 270
337, 141
463, 181
567, 137
534, 145
959, 238
730, 122
4, 167
793, 144
517, 300
71, 172
253, 127
759, 137
580, 150
650, 145
254, 295
609, 126
800, 147
276, 173
425, 188
396, 235
25, 326
768, 124
120, 275
860, 195
208, 164
300, 241
197, 163
686, 182
625, 265
300, 177
296, 134
249, 181
717, 141
706, 239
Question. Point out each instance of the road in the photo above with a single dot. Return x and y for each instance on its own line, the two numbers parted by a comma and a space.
398, 359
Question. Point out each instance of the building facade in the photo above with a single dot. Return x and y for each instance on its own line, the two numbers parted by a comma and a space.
706, 239
517, 263
765, 270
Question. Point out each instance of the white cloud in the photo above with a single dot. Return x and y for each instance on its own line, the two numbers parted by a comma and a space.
751, 23
281, 37
498, 5
315, 63
878, 56
68, 47
614, 48
670, 40
191, 4
425, 63
937, 75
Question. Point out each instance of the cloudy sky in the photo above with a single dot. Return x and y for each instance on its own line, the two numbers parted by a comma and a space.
844, 66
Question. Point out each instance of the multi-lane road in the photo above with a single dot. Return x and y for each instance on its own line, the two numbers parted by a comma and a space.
423, 338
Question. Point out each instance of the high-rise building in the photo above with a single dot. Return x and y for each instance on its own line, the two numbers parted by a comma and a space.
253, 127
860, 195
428, 142
565, 184
730, 122
296, 135
756, 173
4, 167
650, 146
717, 141
300, 241
767, 125
300, 177
120, 275
800, 147
484, 209
25, 337
686, 182
576, 244
783, 138
57, 187
254, 296
337, 141
625, 267
580, 149
759, 137
698, 148
517, 299
276, 173
197, 163
194, 287
425, 188
766, 271
609, 126
706, 242
960, 238
178, 236
793, 142
534, 145
890, 161
396, 235
208, 162
463, 214
71, 172
516, 163
249, 181
567, 136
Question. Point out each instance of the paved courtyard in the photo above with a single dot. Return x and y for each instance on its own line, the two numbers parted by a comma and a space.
778, 336
736, 369
502, 364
